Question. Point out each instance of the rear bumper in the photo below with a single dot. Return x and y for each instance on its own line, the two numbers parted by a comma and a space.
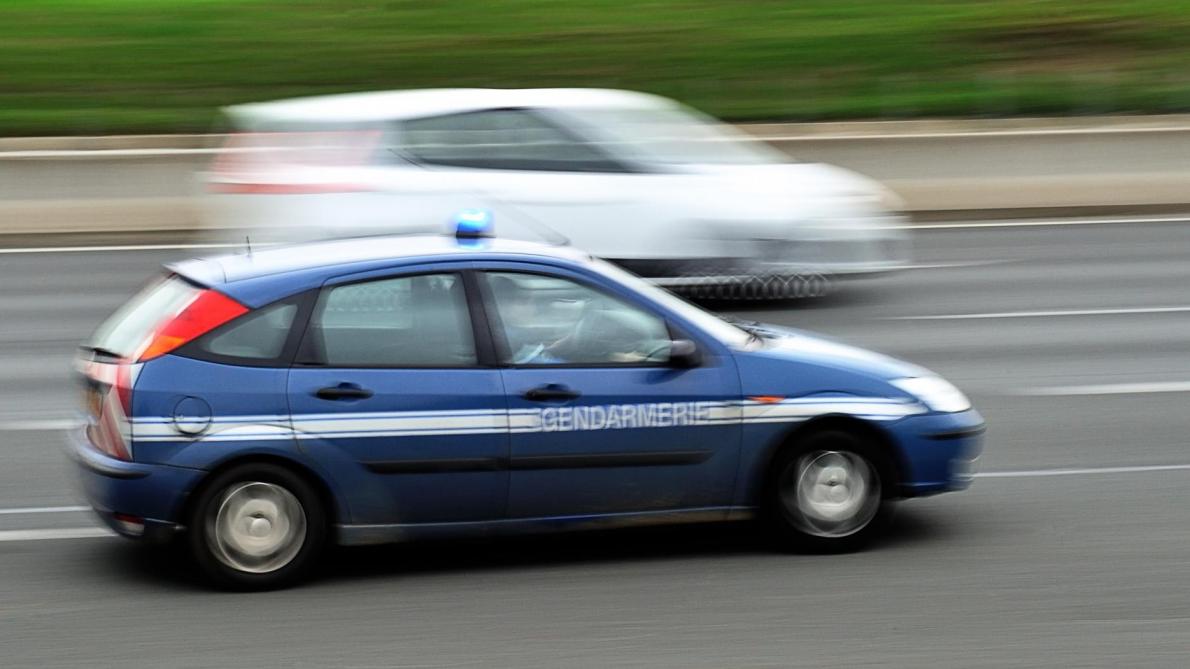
940, 451
154, 494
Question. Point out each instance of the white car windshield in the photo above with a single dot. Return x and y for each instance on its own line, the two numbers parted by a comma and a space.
671, 136
709, 323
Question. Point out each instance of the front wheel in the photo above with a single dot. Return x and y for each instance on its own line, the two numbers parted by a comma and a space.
257, 526
828, 494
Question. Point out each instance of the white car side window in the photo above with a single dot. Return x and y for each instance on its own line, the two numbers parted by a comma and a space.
509, 139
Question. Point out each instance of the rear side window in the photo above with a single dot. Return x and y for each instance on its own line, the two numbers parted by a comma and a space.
132, 324
260, 335
415, 321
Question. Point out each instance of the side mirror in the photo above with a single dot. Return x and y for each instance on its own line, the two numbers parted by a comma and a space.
683, 353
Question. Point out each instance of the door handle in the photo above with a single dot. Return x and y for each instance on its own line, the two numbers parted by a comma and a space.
551, 391
343, 391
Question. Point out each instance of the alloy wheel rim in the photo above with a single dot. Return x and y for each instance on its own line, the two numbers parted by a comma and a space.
832, 494
257, 527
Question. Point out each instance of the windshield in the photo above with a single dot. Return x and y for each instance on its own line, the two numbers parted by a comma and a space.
704, 320
672, 136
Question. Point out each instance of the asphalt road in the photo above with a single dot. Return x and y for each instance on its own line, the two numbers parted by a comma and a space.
1074, 341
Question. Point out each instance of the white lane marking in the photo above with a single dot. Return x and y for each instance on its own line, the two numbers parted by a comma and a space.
127, 247
49, 425
1041, 314
1110, 389
19, 511
1081, 471
1043, 223
949, 134
65, 533
952, 265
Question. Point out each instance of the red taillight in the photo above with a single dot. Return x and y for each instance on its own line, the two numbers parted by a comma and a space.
292, 163
207, 311
109, 403
112, 430
123, 388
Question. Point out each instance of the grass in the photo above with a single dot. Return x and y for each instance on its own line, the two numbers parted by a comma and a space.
113, 66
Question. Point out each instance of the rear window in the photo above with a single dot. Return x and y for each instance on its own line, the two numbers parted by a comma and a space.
125, 330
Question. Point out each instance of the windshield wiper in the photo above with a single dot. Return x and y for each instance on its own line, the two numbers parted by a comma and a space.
749, 327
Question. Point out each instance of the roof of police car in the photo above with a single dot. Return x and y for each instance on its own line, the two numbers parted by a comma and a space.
385, 105
358, 253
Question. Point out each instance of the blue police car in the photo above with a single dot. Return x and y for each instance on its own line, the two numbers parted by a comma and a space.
361, 391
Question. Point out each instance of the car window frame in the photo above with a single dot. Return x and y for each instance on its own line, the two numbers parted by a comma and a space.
305, 305
500, 343
305, 354
616, 165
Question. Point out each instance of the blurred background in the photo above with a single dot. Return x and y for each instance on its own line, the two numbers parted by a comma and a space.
999, 191
128, 66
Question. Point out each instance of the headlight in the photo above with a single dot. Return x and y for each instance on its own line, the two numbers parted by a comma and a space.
935, 392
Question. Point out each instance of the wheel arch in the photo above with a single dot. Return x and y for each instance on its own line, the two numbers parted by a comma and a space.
335, 509
879, 437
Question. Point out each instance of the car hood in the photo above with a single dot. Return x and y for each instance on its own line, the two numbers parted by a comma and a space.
797, 346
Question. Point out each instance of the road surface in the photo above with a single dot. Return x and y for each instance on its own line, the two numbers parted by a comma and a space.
1072, 549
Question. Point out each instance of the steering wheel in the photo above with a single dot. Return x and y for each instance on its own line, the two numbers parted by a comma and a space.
599, 332
587, 338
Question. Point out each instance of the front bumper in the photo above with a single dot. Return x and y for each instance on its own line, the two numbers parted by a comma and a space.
774, 268
152, 493
940, 451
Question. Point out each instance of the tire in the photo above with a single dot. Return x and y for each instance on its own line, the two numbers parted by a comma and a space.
829, 493
257, 527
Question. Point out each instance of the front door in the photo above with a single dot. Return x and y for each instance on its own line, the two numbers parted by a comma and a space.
388, 384
600, 422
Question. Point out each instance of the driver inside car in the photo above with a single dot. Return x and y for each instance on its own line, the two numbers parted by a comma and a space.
588, 330
517, 313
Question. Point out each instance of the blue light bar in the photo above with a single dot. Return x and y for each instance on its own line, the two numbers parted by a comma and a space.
473, 224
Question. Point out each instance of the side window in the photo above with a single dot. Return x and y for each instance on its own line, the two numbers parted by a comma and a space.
414, 321
256, 336
553, 321
506, 139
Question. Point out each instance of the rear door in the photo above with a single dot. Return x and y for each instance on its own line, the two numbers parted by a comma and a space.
391, 379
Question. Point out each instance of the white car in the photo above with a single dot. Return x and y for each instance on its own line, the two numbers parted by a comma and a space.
640, 180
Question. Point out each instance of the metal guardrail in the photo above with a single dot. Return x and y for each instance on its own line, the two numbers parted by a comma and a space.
982, 168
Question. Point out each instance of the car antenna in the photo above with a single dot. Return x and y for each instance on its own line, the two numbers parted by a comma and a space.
248, 245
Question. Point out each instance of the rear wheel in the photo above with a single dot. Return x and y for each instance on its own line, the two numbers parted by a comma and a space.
257, 526
829, 493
